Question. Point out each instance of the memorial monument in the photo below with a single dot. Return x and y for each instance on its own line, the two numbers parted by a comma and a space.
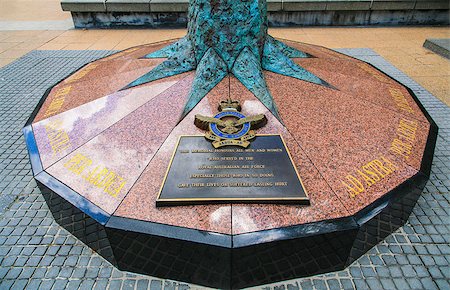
228, 158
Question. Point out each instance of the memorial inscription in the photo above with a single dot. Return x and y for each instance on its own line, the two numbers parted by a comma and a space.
368, 174
81, 73
58, 101
57, 136
406, 134
96, 174
200, 173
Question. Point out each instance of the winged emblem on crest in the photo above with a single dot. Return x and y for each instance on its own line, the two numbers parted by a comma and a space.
230, 127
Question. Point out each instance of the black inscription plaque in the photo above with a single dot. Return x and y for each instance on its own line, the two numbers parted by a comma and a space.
262, 173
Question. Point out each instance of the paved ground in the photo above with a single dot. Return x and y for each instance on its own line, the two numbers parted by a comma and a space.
36, 253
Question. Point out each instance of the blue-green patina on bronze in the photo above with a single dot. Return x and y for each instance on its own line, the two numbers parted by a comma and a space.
228, 36
210, 71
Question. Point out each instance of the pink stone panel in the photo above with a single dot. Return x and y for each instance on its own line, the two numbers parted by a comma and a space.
64, 97
125, 148
340, 134
354, 68
100, 78
139, 51
99, 69
317, 50
86, 121
140, 202
359, 83
324, 202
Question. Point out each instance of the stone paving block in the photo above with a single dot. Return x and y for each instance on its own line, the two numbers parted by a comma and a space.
33, 284
83, 5
6, 284
168, 6
128, 6
66, 272
60, 284
428, 284
116, 284
39, 273
274, 5
430, 4
439, 46
347, 5
74, 284
306, 5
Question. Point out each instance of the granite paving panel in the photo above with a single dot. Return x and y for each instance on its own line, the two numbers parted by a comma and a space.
140, 201
99, 79
64, 97
324, 202
106, 167
138, 51
112, 67
358, 80
341, 135
317, 51
82, 123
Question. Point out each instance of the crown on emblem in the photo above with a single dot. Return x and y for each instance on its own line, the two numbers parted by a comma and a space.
229, 104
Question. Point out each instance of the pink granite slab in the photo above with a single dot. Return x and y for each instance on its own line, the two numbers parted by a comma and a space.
354, 68
83, 92
353, 80
340, 133
381, 98
100, 69
86, 121
138, 51
140, 202
317, 50
126, 147
126, 53
324, 202
104, 77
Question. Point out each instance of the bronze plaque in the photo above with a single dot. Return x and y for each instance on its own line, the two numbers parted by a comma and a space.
201, 174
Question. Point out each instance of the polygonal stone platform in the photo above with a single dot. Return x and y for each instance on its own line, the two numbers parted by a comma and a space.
363, 151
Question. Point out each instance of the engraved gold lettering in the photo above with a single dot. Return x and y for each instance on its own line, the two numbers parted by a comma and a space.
242, 159
406, 135
201, 184
100, 176
281, 183
58, 101
115, 187
57, 137
400, 100
107, 180
401, 148
258, 166
354, 186
376, 74
80, 74
78, 163
367, 179
96, 179
370, 173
